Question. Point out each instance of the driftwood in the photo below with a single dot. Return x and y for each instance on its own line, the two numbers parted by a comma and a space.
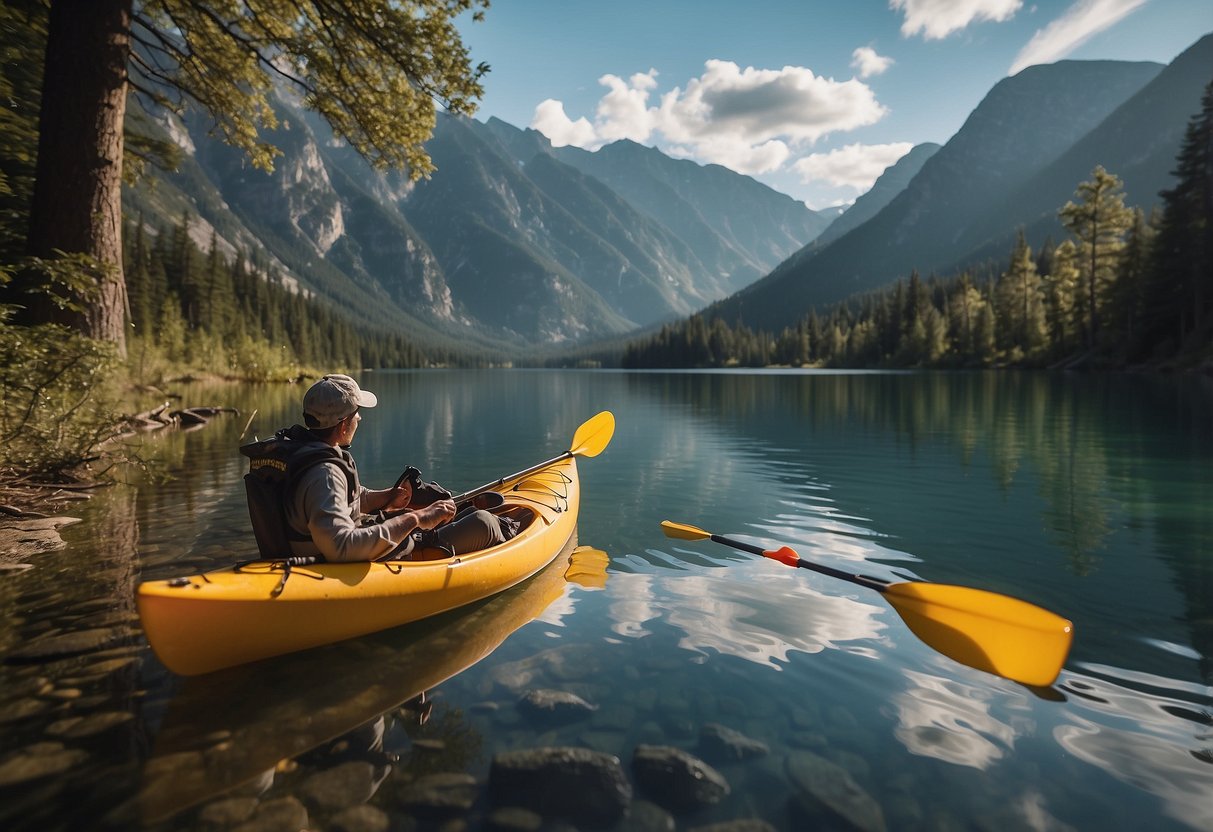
162, 417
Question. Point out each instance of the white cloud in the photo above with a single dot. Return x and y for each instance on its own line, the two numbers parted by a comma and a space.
867, 63
623, 113
551, 120
1065, 34
746, 119
854, 166
936, 19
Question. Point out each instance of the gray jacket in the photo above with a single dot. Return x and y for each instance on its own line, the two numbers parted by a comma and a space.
323, 508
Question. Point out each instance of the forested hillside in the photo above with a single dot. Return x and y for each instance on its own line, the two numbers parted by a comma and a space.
1021, 125
1121, 289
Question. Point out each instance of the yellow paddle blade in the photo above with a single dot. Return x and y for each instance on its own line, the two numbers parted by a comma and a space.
588, 567
681, 531
985, 630
594, 435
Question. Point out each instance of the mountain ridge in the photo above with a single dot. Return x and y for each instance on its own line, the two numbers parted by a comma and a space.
975, 169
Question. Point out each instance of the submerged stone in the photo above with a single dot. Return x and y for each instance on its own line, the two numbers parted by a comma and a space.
677, 780
43, 759
67, 644
555, 705
717, 742
824, 788
446, 793
577, 784
360, 819
339, 787
285, 813
743, 825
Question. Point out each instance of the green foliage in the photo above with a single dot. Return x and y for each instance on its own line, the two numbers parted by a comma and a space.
195, 312
374, 70
54, 408
22, 41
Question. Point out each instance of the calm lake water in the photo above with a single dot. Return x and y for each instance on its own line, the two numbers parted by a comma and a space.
1089, 495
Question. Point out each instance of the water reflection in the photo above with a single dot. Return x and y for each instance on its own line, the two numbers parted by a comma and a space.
950, 720
731, 618
1161, 744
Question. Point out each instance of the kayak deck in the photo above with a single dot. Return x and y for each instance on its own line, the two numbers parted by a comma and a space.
238, 614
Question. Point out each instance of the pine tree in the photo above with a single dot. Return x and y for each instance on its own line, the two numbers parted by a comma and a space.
1061, 293
1099, 221
964, 306
1018, 302
1181, 294
1127, 301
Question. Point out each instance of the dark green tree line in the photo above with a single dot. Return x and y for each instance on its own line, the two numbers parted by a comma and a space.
195, 307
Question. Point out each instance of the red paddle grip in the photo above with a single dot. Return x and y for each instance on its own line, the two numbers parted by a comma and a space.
785, 555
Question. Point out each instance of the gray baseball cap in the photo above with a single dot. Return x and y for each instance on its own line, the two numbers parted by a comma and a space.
332, 399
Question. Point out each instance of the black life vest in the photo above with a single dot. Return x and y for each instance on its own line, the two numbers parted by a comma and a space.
275, 466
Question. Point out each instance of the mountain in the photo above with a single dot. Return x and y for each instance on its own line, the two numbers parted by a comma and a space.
1138, 142
739, 228
895, 179
1022, 125
507, 243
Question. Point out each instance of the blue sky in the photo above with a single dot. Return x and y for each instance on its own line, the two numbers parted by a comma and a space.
812, 97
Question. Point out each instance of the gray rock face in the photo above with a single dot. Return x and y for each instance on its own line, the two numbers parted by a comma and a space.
586, 787
677, 780
826, 789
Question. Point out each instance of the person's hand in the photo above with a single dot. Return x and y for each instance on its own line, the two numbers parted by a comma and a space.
435, 514
399, 498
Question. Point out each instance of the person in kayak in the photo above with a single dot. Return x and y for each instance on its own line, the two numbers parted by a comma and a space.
328, 504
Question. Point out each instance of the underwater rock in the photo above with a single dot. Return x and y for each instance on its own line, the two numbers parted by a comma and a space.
577, 784
677, 780
339, 787
91, 725
67, 644
555, 705
284, 813
645, 816
226, 813
360, 819
716, 742
743, 825
514, 819
42, 759
824, 788
20, 709
441, 794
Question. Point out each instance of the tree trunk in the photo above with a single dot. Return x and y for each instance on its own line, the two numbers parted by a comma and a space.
77, 200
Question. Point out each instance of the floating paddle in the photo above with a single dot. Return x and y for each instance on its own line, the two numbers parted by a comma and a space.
985, 630
590, 440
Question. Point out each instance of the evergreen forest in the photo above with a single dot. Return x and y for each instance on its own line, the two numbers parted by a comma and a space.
1122, 290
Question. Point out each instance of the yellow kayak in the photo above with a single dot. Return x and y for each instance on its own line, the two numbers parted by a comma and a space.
235, 615
228, 728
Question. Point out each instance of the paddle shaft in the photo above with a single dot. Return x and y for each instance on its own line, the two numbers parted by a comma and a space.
862, 580
495, 484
